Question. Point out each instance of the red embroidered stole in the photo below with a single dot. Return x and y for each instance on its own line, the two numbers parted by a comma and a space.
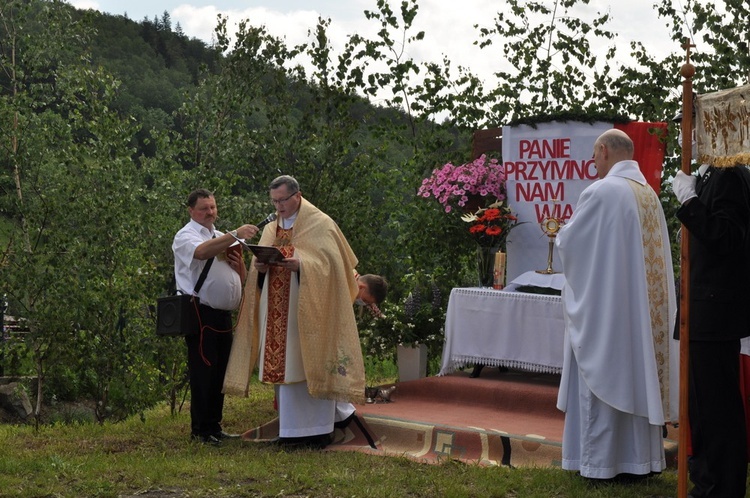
278, 281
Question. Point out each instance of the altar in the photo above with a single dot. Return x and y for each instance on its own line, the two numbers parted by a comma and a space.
503, 328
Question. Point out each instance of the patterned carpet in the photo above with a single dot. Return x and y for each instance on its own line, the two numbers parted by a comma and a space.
500, 418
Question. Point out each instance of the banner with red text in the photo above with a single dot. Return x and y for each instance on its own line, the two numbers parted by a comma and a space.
548, 166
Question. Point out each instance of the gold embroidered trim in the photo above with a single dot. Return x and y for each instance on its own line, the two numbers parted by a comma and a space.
649, 211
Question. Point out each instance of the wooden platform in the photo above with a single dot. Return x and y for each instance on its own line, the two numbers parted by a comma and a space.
500, 418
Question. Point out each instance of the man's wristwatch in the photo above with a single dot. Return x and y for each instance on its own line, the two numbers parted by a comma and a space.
233, 233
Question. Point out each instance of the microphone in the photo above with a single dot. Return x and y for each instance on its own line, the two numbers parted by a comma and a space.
271, 217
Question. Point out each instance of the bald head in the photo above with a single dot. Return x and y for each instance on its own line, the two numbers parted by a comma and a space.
611, 147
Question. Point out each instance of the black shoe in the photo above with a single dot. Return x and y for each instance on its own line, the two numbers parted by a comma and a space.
626, 478
221, 435
623, 478
317, 442
595, 481
206, 439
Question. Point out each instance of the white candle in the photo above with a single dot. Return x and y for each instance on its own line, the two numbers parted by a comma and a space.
499, 270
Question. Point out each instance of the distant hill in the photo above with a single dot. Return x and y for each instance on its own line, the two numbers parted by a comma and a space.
155, 61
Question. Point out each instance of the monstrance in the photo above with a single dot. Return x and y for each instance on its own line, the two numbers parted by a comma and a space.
550, 226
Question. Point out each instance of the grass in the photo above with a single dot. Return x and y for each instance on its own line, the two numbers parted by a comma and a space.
151, 456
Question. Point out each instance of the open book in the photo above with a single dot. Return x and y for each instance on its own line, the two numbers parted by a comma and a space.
266, 254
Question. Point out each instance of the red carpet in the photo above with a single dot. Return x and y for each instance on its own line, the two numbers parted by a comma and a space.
500, 418
497, 419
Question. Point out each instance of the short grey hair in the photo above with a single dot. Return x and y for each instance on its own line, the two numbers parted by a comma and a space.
291, 183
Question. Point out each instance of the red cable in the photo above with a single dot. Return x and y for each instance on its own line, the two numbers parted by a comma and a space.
201, 327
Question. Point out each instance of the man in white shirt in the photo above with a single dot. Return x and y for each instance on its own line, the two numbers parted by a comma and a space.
197, 243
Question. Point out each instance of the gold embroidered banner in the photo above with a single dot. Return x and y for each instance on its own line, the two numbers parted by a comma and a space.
723, 127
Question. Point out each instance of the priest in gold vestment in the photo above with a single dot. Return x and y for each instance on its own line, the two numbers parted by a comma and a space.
296, 322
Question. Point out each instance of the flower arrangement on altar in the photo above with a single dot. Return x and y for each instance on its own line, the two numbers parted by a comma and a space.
453, 186
490, 226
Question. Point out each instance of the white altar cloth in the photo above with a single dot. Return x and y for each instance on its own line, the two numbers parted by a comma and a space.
532, 278
501, 328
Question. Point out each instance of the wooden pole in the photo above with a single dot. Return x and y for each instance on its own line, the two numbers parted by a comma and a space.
687, 71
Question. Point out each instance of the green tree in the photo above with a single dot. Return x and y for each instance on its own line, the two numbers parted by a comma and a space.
380, 67
552, 67
75, 264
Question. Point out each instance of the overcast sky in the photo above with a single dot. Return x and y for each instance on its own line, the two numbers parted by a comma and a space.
448, 24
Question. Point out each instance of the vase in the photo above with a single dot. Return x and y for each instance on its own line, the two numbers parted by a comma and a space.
486, 265
412, 362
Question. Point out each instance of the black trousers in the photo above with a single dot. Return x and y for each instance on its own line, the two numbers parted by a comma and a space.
718, 465
208, 355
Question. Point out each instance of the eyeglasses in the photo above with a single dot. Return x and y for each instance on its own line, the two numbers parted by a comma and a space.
277, 202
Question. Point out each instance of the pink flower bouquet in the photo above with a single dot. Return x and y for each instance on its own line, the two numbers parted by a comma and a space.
452, 186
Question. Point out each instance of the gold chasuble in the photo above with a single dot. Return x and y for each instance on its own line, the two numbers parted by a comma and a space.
649, 211
329, 342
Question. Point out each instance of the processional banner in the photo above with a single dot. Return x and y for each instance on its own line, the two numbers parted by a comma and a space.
547, 166
723, 127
